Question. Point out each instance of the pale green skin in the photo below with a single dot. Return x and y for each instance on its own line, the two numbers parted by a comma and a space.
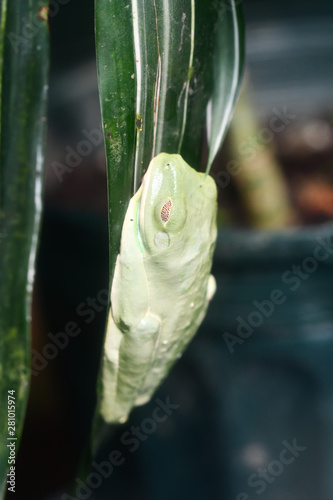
162, 282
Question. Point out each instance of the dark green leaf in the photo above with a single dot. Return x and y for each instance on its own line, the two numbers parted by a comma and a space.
116, 78
201, 83
24, 41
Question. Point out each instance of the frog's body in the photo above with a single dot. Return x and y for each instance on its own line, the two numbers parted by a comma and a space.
162, 282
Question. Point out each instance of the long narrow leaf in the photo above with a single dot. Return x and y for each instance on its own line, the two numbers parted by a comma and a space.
24, 38
201, 82
228, 68
176, 34
3, 15
116, 79
147, 77
164, 58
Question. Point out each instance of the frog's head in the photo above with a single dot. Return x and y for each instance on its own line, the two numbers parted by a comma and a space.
177, 206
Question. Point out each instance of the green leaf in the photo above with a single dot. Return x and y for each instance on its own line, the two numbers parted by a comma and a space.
201, 83
176, 37
24, 70
228, 69
116, 73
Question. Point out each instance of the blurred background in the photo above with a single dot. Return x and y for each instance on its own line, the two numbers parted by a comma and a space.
252, 395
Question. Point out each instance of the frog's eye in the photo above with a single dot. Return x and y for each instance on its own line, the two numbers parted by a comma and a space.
166, 211
170, 214
163, 211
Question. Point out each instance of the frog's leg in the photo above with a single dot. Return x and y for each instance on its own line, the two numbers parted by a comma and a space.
166, 358
110, 366
128, 359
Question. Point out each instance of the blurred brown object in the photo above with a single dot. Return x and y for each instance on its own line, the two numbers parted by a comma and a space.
315, 198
